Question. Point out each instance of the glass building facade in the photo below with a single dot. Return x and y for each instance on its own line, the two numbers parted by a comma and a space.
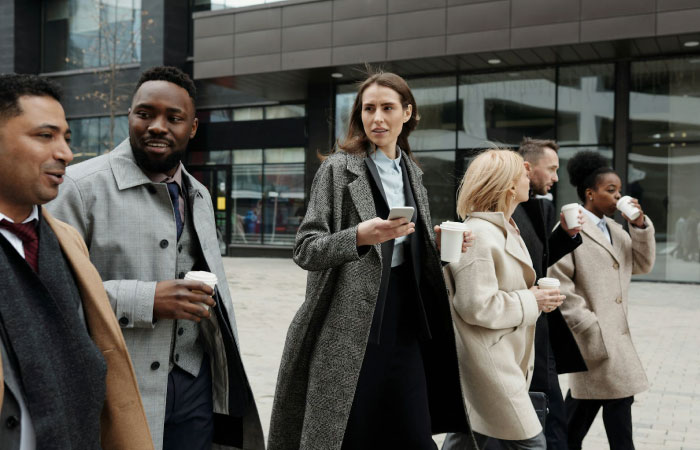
462, 114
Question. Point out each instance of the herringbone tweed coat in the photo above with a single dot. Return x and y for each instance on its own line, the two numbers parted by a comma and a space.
595, 279
328, 336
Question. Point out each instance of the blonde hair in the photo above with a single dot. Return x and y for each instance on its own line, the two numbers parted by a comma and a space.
485, 185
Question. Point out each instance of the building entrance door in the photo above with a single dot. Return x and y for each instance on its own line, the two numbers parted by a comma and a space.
217, 180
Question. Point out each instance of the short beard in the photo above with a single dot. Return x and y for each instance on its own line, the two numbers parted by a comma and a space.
538, 190
161, 166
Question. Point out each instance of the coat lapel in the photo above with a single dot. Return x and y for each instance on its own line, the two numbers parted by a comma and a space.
360, 190
377, 179
617, 236
596, 235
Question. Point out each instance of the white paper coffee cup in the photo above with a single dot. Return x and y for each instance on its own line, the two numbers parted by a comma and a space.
207, 278
548, 283
571, 211
627, 208
452, 237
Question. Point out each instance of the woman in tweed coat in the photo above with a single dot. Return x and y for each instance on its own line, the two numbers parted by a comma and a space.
595, 279
370, 358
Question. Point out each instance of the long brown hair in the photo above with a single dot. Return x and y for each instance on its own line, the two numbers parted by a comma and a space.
356, 140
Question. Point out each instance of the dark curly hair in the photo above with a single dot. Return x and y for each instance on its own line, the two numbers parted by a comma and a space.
13, 86
585, 168
170, 74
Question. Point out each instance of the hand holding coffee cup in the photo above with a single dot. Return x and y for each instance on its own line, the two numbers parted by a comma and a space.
547, 294
572, 218
182, 299
466, 243
452, 240
631, 210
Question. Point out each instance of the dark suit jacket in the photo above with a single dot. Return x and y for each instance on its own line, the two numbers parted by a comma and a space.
535, 219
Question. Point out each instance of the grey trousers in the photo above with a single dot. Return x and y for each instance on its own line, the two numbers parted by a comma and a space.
458, 441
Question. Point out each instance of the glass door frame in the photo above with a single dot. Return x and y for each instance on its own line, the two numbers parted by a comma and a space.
214, 168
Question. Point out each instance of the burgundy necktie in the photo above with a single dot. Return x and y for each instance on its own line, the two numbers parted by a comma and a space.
26, 232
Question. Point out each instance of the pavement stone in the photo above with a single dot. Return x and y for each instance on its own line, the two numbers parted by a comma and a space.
664, 322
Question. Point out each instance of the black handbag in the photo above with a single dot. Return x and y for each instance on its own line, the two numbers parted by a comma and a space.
540, 402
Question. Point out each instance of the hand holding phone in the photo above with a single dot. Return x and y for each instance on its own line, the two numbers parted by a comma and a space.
401, 211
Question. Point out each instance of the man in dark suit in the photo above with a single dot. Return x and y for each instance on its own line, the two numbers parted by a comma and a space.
555, 348
57, 389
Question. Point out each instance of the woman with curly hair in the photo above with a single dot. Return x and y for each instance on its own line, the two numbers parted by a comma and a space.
595, 279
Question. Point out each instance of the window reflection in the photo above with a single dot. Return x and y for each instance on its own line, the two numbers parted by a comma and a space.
87, 33
504, 107
94, 136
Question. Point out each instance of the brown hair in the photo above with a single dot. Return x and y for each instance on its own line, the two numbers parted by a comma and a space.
532, 149
485, 185
356, 141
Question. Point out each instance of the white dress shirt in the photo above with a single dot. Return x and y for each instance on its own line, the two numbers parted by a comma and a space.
392, 181
27, 437
598, 222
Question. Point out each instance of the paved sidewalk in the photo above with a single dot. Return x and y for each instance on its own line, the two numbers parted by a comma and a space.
665, 325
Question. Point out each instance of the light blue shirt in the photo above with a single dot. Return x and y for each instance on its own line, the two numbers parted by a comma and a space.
392, 182
598, 222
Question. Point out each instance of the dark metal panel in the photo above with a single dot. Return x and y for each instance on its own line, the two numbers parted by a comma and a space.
622, 113
273, 133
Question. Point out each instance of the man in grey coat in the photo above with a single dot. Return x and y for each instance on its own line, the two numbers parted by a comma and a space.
147, 222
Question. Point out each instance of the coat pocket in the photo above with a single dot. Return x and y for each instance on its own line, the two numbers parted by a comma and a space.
591, 343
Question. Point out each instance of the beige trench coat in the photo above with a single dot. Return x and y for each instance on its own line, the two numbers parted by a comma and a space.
595, 279
494, 317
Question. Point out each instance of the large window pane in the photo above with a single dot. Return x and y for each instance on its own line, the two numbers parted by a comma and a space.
665, 179
284, 155
665, 100
246, 196
437, 106
87, 33
284, 202
503, 107
284, 111
586, 104
344, 98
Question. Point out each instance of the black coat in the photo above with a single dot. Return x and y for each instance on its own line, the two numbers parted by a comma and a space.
535, 218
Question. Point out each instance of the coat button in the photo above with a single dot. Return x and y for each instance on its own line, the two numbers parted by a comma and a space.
12, 422
124, 321
616, 266
180, 331
164, 243
155, 365
618, 300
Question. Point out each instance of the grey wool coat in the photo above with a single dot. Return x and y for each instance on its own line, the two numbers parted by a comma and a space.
129, 227
595, 279
327, 338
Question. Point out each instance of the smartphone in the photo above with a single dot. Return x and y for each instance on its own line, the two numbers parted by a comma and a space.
401, 211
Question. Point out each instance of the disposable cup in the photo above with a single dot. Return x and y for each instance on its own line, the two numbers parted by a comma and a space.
571, 211
548, 283
452, 237
627, 208
205, 277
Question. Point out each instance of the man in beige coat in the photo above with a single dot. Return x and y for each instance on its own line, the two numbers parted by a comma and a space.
595, 279
66, 379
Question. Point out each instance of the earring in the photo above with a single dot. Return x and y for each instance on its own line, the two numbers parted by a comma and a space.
590, 198
513, 196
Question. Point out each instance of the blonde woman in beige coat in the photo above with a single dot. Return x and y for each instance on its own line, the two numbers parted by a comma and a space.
595, 279
495, 306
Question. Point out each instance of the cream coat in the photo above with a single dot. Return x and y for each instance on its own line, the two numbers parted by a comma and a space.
494, 317
595, 279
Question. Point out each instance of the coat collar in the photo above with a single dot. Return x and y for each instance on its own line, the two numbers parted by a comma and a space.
513, 247
597, 236
128, 174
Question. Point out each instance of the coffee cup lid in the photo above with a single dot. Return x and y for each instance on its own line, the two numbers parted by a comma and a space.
570, 206
200, 275
624, 199
453, 226
547, 280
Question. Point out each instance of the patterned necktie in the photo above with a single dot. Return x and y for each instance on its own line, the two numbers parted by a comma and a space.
26, 232
175, 197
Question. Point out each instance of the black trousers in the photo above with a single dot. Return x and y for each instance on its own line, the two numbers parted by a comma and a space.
555, 426
617, 418
189, 410
390, 407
